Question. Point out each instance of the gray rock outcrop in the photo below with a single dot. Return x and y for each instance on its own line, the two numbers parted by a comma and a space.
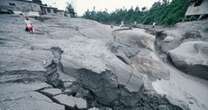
118, 76
136, 49
18, 96
192, 58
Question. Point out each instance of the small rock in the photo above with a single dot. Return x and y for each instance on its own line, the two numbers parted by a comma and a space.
66, 78
168, 39
82, 93
163, 107
80, 103
105, 108
71, 101
190, 102
66, 100
94, 108
67, 84
52, 91
68, 91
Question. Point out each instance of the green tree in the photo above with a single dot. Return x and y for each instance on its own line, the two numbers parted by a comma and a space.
70, 10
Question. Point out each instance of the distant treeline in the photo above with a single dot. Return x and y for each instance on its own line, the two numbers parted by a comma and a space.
163, 13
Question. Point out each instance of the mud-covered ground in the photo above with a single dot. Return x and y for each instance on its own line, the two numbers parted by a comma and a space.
101, 68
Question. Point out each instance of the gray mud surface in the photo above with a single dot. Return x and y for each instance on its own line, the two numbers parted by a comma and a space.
79, 64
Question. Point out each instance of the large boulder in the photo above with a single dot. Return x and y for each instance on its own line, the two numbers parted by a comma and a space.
136, 49
130, 42
168, 40
147, 63
104, 85
192, 58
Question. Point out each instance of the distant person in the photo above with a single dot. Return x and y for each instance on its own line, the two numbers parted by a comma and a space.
111, 26
135, 23
122, 24
153, 25
29, 26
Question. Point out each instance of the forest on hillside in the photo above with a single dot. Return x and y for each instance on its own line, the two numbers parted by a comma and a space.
162, 13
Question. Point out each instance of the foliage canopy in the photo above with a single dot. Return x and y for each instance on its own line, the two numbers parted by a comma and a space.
163, 13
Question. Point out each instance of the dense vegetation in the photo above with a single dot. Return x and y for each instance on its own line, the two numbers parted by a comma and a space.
70, 10
163, 13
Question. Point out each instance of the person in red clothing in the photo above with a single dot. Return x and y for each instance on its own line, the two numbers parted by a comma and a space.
29, 26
